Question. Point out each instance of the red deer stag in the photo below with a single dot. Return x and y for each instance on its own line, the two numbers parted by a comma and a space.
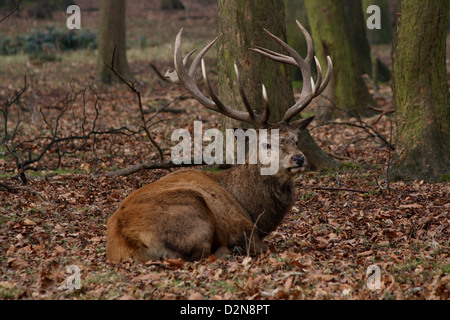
189, 214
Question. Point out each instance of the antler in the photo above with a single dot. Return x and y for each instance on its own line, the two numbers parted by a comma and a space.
310, 89
186, 76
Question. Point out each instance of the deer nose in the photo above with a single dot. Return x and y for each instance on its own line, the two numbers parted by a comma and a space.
298, 160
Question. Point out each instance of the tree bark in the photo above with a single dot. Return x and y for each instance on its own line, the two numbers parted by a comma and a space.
357, 22
112, 34
383, 35
421, 95
357, 27
240, 26
295, 10
332, 37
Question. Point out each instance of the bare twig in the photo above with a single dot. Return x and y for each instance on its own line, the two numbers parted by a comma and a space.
341, 189
11, 149
168, 164
9, 188
132, 87
22, 151
383, 113
369, 129
11, 13
338, 157
364, 126
159, 74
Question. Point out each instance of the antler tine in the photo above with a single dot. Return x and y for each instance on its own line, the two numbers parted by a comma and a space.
266, 114
275, 55
173, 76
319, 76
327, 76
195, 64
212, 94
310, 90
186, 76
243, 95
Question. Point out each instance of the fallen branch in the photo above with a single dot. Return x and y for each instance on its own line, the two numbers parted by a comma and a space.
382, 113
24, 151
164, 110
369, 129
341, 189
338, 157
168, 164
8, 188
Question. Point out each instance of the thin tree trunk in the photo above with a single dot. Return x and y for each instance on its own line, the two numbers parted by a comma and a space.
421, 95
383, 35
240, 27
332, 37
295, 10
112, 34
357, 27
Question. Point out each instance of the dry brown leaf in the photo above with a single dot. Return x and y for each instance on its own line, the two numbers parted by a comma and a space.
196, 296
28, 222
321, 239
364, 254
175, 263
147, 277
17, 263
411, 206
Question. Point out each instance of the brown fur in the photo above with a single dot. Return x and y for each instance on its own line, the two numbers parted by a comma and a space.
191, 213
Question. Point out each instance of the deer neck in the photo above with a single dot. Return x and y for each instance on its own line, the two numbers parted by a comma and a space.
266, 199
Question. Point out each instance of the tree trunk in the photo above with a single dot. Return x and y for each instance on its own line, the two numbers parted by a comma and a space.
112, 33
357, 27
332, 37
240, 26
383, 35
421, 95
357, 23
295, 10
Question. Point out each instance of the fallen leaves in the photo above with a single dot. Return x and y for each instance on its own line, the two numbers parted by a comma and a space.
321, 251
17, 263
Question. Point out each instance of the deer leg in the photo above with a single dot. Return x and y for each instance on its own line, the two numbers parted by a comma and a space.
247, 242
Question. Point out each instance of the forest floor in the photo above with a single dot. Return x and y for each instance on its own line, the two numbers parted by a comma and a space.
345, 224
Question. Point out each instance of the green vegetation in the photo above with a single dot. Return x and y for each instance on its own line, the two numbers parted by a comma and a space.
50, 40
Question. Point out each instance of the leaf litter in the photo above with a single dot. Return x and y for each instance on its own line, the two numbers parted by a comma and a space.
322, 250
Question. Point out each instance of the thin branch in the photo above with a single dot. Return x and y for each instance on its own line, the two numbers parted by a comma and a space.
168, 164
363, 125
341, 189
8, 188
11, 13
159, 74
130, 85
54, 140
382, 113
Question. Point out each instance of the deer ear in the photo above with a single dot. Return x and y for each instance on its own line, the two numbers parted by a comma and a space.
300, 125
